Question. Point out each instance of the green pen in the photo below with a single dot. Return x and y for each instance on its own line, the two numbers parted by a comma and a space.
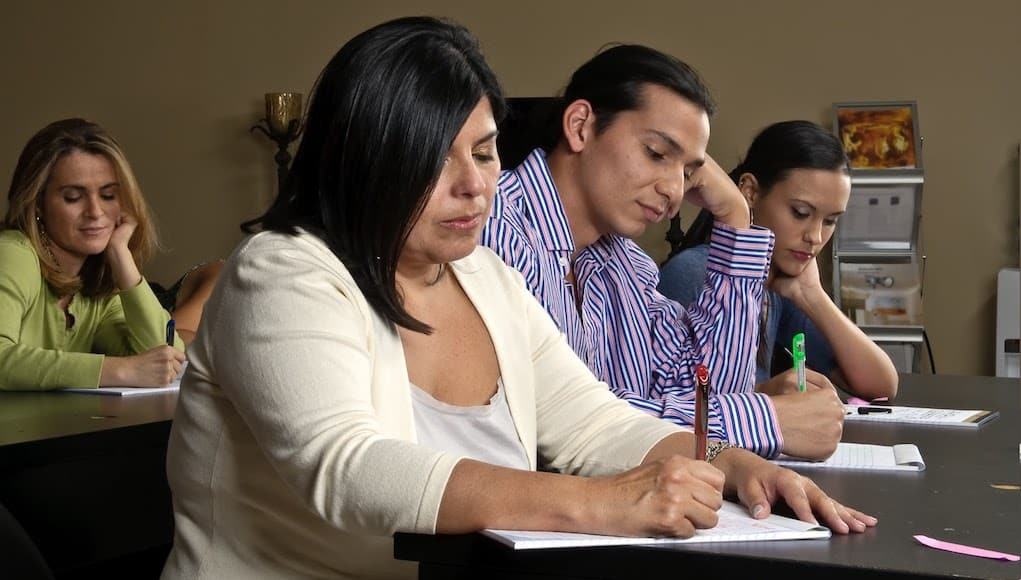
798, 352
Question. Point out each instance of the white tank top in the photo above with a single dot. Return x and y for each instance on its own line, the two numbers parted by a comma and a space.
485, 433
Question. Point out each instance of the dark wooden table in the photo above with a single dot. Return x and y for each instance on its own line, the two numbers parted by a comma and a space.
952, 500
85, 475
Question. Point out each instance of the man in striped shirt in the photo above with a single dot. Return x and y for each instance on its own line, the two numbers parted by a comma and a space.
632, 143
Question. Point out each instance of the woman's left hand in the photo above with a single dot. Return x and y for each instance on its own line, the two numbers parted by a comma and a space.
118, 253
759, 484
798, 289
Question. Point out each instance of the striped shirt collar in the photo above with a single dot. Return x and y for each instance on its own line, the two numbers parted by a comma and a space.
531, 187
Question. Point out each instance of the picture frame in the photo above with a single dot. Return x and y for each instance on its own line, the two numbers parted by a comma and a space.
879, 136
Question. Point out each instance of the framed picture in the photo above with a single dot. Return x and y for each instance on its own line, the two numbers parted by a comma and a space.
879, 136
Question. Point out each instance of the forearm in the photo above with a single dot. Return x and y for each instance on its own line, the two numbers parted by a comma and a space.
723, 323
479, 495
122, 266
25, 368
747, 420
866, 369
133, 322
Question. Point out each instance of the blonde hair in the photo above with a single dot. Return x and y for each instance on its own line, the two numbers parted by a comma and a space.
28, 184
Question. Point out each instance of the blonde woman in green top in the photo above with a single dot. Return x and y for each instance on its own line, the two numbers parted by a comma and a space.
74, 308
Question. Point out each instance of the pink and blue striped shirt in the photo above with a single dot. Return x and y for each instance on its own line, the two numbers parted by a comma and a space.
642, 344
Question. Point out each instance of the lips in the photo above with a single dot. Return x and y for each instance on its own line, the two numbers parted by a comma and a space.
652, 214
463, 223
93, 231
802, 256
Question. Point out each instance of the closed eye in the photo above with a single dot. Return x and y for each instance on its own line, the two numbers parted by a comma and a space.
656, 155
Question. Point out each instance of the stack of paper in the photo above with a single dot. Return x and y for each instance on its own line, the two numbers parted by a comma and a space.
735, 525
929, 416
902, 457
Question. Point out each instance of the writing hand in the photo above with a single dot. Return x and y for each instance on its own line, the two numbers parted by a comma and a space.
157, 367
671, 497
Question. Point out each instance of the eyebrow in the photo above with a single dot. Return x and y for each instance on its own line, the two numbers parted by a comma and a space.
487, 137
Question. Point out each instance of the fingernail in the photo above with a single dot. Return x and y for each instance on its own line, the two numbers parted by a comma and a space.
757, 510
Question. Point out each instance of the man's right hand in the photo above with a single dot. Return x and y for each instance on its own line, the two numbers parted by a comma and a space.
811, 422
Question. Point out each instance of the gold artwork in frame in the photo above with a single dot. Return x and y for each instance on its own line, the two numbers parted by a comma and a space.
879, 136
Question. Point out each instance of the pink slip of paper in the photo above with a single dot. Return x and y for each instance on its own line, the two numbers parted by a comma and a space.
968, 550
863, 402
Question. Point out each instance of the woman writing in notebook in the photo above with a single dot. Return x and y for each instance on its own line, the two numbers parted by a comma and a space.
795, 177
364, 367
74, 308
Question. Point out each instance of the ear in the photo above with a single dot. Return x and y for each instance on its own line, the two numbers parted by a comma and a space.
749, 187
578, 125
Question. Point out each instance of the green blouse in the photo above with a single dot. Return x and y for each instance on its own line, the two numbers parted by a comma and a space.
38, 352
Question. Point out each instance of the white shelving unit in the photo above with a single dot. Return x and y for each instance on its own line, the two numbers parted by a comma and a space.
878, 261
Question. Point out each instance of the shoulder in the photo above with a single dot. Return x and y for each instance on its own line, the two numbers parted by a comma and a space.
274, 260
17, 254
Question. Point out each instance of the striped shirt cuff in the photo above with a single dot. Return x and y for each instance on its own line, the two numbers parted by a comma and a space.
742, 252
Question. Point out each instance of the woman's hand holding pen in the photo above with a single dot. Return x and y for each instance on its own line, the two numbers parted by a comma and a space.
668, 497
157, 367
758, 484
787, 383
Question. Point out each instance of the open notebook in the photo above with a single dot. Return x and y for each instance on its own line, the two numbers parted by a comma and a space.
131, 391
923, 415
735, 526
902, 457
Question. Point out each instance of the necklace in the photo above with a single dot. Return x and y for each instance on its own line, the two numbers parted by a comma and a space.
68, 317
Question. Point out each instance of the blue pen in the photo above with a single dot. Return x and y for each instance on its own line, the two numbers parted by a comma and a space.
170, 332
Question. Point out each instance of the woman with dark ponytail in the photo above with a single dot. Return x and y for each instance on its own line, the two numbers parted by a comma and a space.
795, 177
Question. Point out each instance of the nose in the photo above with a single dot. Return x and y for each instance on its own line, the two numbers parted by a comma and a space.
93, 206
671, 186
813, 233
469, 180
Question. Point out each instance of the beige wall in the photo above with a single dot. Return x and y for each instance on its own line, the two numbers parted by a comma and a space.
181, 83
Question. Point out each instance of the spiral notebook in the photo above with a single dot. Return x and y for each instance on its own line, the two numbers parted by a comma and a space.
901, 457
735, 525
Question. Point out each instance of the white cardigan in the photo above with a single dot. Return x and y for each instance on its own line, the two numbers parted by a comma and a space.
293, 451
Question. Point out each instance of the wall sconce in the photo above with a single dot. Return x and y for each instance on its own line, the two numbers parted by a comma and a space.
282, 124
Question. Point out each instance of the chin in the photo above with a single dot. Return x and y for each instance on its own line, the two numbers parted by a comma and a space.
792, 269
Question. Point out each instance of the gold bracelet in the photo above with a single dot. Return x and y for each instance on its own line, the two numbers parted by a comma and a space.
713, 448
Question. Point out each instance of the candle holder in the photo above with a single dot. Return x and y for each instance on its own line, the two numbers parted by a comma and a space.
282, 125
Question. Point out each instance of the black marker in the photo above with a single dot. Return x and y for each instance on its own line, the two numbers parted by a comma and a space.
867, 410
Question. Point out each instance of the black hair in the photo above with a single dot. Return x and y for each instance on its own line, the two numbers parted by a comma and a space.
614, 80
382, 117
776, 151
